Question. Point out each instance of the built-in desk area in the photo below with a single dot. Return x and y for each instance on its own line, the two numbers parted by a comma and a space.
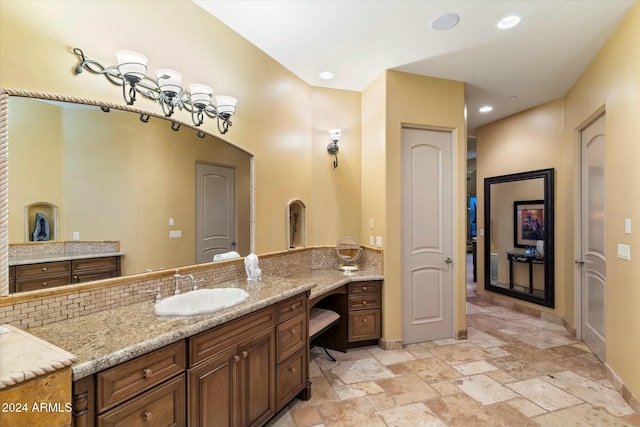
357, 298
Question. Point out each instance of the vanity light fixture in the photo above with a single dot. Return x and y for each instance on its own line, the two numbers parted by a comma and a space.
130, 74
332, 148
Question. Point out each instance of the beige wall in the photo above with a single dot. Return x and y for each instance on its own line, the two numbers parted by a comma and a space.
274, 108
528, 141
334, 210
411, 99
611, 82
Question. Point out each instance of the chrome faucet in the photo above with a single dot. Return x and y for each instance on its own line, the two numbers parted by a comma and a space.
179, 276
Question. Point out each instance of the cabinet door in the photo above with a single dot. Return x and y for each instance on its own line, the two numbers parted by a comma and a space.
257, 379
213, 391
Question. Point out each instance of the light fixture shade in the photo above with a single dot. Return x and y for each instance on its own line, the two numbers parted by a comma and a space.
335, 134
200, 95
169, 81
226, 105
131, 64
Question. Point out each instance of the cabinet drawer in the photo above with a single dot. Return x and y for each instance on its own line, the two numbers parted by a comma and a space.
208, 344
130, 378
43, 269
291, 378
356, 288
360, 302
291, 307
90, 264
291, 336
37, 283
364, 325
163, 406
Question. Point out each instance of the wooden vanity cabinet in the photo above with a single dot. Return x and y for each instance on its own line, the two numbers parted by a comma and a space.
231, 378
237, 374
89, 269
31, 277
44, 275
365, 313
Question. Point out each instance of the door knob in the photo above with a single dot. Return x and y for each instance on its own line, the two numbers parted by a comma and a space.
448, 260
583, 261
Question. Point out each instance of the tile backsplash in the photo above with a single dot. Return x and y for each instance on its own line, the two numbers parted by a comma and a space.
79, 300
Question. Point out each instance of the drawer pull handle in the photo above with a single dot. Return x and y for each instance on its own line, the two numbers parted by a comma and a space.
364, 320
244, 353
293, 307
364, 289
44, 283
147, 415
236, 358
44, 268
293, 331
292, 369
364, 302
147, 373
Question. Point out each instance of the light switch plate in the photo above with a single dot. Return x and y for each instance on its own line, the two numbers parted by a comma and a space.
379, 241
624, 252
175, 234
627, 225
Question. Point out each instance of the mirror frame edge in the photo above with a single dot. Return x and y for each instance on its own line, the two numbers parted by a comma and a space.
549, 234
5, 93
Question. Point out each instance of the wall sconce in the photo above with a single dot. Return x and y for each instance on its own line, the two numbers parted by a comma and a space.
130, 74
332, 148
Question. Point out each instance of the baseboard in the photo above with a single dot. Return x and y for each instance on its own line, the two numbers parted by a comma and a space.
390, 344
622, 388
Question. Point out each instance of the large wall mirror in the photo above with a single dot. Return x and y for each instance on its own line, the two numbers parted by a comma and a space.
121, 174
519, 235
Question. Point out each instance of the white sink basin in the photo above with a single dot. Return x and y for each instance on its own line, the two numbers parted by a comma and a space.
200, 301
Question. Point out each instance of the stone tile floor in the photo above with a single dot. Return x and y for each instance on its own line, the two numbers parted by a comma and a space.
513, 370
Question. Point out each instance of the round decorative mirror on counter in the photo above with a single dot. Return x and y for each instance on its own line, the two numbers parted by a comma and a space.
349, 251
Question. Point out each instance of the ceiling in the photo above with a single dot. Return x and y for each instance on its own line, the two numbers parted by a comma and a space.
536, 61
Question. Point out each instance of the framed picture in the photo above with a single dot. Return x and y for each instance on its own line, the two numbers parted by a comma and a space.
528, 222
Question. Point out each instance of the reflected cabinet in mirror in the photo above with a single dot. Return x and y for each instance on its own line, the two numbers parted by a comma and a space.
170, 195
519, 235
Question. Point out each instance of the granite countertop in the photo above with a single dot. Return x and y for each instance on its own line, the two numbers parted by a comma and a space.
66, 256
108, 338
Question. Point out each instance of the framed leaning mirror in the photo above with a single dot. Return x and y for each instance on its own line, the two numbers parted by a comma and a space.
519, 241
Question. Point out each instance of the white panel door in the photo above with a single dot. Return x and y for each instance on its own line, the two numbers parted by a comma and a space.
427, 274
593, 260
215, 211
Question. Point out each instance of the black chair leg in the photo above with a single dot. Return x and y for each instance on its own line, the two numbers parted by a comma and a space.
325, 349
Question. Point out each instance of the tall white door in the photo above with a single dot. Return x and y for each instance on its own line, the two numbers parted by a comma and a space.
592, 260
427, 273
215, 211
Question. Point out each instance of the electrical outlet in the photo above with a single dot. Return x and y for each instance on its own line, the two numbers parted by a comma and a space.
175, 234
627, 225
170, 221
370, 222
76, 235
379, 241
371, 240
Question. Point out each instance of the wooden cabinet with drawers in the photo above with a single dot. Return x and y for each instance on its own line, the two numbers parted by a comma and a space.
237, 374
45, 275
364, 311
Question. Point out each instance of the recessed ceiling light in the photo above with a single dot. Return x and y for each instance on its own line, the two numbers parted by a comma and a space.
508, 22
485, 109
326, 75
444, 22
513, 98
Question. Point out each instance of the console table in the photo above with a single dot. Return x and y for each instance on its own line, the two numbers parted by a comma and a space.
522, 258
